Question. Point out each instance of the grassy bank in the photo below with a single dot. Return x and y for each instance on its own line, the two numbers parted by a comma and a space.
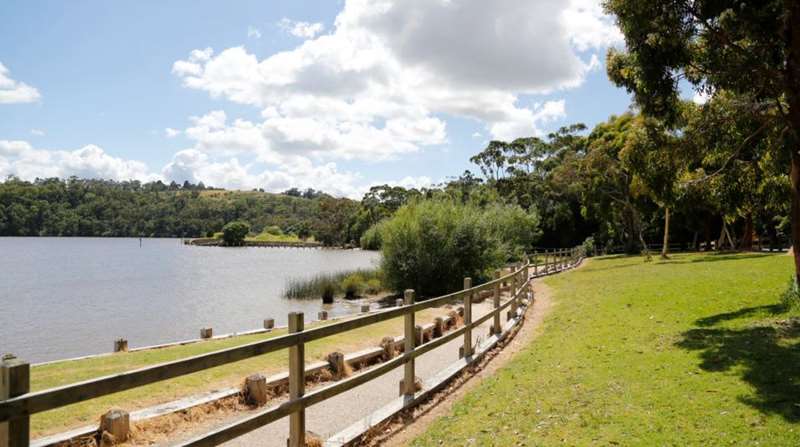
55, 374
691, 351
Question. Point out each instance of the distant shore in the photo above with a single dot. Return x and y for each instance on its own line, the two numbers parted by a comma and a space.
215, 242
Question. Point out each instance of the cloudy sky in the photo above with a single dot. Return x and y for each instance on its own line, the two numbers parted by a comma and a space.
333, 95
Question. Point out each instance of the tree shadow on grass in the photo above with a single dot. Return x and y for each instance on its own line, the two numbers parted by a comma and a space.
713, 257
772, 309
768, 356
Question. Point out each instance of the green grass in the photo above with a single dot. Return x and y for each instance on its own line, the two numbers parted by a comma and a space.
88, 412
267, 237
691, 351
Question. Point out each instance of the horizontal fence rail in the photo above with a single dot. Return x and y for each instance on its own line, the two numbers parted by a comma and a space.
18, 403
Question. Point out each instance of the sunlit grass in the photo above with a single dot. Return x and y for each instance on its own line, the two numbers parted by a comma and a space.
691, 351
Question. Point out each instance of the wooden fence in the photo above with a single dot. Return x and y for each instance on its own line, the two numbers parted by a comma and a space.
19, 403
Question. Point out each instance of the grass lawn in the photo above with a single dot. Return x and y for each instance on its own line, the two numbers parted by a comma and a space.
690, 351
88, 412
267, 237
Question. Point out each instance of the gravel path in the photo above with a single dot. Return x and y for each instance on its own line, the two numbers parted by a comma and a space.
329, 417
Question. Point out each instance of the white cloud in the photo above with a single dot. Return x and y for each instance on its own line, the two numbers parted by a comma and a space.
195, 165
304, 30
24, 161
701, 97
37, 132
521, 122
12, 92
381, 83
253, 32
588, 27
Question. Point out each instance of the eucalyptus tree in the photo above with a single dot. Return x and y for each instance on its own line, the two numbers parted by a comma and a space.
736, 156
609, 191
654, 154
750, 48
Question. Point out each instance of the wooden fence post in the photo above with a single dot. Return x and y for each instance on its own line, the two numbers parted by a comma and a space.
14, 381
466, 350
408, 386
535, 263
297, 383
547, 261
512, 311
496, 328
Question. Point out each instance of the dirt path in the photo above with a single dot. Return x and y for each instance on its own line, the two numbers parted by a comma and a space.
428, 413
329, 417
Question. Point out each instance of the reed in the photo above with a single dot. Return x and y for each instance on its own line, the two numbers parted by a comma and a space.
350, 284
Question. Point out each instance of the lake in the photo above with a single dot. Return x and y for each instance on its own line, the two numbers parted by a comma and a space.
68, 297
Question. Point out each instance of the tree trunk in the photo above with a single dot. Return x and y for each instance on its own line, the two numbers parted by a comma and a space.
792, 36
632, 230
721, 240
747, 237
665, 247
795, 178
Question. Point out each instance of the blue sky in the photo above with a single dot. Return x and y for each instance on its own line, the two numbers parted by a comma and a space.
280, 94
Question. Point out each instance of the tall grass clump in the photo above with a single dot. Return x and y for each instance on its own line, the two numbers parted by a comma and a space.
350, 284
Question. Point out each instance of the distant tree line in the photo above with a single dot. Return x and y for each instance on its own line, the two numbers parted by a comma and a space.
86, 207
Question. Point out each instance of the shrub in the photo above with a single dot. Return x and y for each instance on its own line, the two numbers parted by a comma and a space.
274, 230
431, 245
371, 239
515, 229
373, 286
353, 285
233, 233
328, 292
588, 247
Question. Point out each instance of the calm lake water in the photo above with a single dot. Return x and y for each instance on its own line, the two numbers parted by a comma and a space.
67, 297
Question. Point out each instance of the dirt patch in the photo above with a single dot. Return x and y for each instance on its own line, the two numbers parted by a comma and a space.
415, 422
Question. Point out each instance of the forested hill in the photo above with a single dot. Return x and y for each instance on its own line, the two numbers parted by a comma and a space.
78, 207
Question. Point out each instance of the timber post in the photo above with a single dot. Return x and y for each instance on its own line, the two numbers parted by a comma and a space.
512, 311
120, 345
117, 423
408, 386
546, 261
14, 381
466, 350
535, 263
496, 327
297, 381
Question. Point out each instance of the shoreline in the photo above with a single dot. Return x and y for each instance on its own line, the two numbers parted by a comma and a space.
211, 242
